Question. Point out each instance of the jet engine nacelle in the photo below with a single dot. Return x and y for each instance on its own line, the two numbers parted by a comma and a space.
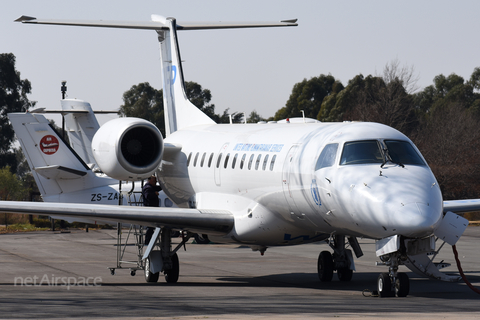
128, 148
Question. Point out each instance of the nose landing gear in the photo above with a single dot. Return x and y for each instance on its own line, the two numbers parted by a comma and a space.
393, 283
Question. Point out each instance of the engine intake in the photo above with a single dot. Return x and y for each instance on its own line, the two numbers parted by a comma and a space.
128, 148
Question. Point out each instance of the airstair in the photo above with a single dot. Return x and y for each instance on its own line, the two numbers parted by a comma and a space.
129, 236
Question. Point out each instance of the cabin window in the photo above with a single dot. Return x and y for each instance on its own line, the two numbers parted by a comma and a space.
189, 158
226, 160
242, 162
327, 157
196, 158
361, 152
272, 163
265, 161
250, 162
203, 159
402, 152
210, 160
257, 163
219, 159
234, 161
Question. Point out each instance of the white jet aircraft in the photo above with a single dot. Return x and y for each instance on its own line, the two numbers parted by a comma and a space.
271, 184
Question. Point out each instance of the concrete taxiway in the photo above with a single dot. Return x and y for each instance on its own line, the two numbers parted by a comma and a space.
65, 275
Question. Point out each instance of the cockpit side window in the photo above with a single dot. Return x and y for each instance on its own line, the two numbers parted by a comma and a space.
327, 157
361, 152
403, 152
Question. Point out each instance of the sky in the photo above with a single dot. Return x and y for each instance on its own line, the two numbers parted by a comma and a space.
245, 69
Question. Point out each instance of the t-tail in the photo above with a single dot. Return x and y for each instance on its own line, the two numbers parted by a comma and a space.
56, 167
179, 111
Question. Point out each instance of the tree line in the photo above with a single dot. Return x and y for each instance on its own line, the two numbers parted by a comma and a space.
442, 119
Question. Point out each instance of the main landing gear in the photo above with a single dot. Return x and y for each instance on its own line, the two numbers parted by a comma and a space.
341, 260
164, 260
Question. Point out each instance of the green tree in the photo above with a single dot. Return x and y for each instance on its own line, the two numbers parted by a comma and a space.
308, 96
449, 139
11, 186
384, 99
201, 98
144, 101
448, 135
254, 117
451, 89
13, 98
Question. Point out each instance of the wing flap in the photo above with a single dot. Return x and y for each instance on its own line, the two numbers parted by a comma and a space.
217, 222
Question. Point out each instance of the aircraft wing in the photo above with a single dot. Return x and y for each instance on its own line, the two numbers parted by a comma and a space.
216, 222
459, 206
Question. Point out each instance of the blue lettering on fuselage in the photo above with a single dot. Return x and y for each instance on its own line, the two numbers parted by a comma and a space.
262, 147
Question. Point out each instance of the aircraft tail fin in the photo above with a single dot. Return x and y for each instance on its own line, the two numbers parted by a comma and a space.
179, 111
55, 165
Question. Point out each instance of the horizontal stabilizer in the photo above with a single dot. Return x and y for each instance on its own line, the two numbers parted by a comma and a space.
59, 172
157, 25
217, 222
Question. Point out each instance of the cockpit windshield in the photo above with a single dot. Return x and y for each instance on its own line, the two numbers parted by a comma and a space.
403, 152
361, 152
374, 151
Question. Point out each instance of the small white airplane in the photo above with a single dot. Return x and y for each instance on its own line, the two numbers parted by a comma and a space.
67, 172
262, 185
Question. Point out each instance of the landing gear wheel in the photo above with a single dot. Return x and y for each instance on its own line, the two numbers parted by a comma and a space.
325, 266
150, 277
201, 238
345, 274
402, 285
171, 276
384, 285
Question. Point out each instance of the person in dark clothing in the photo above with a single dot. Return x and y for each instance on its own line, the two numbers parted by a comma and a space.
150, 199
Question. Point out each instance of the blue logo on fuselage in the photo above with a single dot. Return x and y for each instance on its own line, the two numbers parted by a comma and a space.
315, 193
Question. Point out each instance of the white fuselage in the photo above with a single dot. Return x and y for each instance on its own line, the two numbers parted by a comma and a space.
265, 174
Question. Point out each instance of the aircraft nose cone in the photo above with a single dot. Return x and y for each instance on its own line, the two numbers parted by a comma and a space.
417, 219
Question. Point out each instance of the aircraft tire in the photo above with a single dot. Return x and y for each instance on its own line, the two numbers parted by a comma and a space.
325, 266
402, 285
150, 277
345, 274
171, 276
201, 238
384, 286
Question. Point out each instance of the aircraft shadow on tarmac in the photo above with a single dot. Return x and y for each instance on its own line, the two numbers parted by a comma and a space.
419, 287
